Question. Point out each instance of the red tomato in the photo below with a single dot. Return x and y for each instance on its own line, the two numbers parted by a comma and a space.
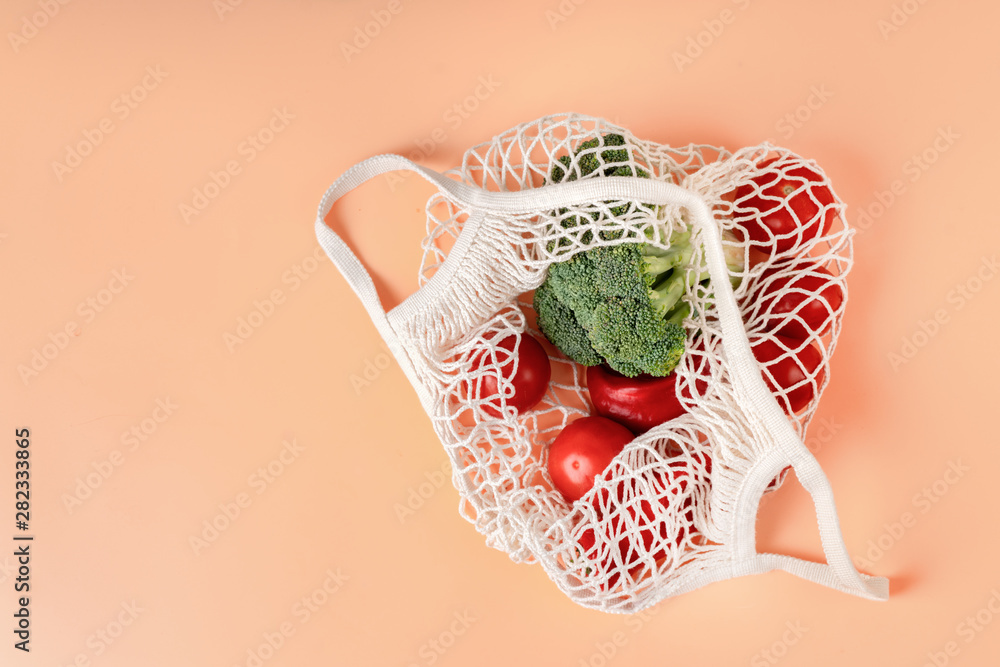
785, 207
637, 515
590, 565
582, 451
631, 518
529, 383
812, 297
789, 362
634, 512
640, 403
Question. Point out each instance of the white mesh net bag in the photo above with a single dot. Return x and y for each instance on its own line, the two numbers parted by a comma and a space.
677, 507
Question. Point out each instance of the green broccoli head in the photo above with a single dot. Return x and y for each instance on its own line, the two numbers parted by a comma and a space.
622, 304
604, 296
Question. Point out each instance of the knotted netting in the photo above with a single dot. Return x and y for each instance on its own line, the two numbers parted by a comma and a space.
662, 519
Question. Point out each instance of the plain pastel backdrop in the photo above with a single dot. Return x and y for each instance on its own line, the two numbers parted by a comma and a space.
211, 486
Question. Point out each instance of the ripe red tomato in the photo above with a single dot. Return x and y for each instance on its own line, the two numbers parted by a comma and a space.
637, 515
786, 208
811, 298
634, 512
640, 403
789, 362
582, 451
629, 519
591, 565
529, 383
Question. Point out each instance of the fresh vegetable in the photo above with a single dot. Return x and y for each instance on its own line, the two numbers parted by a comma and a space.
582, 451
811, 298
787, 209
625, 524
620, 304
640, 403
589, 562
528, 385
788, 364
639, 514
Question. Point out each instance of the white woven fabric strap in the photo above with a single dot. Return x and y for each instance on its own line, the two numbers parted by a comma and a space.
839, 572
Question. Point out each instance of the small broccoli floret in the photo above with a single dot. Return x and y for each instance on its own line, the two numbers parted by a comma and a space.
559, 325
587, 163
622, 304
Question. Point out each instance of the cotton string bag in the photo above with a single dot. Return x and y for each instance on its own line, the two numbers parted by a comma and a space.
677, 508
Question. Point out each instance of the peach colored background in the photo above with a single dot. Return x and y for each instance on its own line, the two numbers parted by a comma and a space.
225, 68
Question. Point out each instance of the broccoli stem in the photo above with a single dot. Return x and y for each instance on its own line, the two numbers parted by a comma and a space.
678, 241
665, 296
660, 261
680, 312
666, 271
